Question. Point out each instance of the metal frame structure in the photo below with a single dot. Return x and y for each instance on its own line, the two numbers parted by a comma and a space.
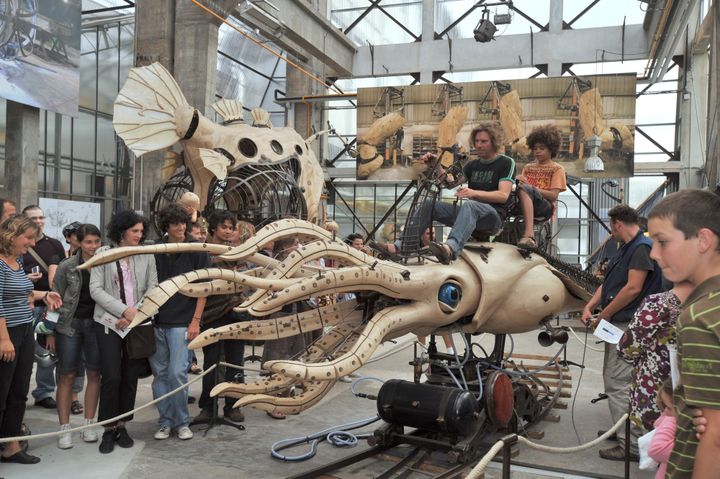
127, 4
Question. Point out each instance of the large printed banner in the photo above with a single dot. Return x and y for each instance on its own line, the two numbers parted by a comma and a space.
40, 53
396, 125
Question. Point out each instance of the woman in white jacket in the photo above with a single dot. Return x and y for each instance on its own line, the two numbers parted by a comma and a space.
116, 302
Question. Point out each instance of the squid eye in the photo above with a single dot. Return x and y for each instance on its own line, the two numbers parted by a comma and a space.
449, 295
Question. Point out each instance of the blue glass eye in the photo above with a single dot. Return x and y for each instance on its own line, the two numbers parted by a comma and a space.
450, 294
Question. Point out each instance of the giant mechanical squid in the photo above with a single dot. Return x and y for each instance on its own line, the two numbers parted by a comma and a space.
492, 287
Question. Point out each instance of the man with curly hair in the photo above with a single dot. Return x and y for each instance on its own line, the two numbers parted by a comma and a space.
541, 180
176, 323
490, 179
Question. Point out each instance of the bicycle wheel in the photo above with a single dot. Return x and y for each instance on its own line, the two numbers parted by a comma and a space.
26, 29
6, 21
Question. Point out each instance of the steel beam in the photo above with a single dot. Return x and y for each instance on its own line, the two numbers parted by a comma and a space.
507, 51
302, 31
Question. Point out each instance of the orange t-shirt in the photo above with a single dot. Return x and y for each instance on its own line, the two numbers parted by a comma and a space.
546, 176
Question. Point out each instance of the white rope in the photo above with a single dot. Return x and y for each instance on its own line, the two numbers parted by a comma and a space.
107, 421
584, 343
476, 472
582, 447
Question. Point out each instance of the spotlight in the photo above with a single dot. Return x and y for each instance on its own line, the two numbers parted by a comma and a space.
594, 164
485, 29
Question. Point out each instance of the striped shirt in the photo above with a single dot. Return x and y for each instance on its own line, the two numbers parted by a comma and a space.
699, 354
15, 288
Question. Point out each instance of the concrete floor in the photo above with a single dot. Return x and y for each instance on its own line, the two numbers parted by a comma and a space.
227, 453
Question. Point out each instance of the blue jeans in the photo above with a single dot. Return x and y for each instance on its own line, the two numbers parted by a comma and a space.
44, 376
470, 216
170, 369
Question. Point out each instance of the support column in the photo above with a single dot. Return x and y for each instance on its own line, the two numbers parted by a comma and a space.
556, 28
713, 146
692, 111
196, 43
428, 35
22, 144
304, 116
154, 42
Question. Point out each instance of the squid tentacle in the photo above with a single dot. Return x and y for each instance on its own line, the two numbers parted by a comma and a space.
282, 327
312, 393
277, 383
379, 327
343, 280
114, 254
290, 266
275, 231
158, 295
212, 288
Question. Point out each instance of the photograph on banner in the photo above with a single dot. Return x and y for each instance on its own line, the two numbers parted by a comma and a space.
60, 213
595, 115
40, 53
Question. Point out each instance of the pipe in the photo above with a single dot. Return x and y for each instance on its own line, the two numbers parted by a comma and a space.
313, 98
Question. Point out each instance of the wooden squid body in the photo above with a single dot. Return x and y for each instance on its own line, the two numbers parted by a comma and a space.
491, 288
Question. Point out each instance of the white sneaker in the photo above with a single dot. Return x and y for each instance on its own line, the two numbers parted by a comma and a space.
65, 438
89, 434
184, 433
163, 433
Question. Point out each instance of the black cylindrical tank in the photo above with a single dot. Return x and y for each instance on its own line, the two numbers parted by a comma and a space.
435, 408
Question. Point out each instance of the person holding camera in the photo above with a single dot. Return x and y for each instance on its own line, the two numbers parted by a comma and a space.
40, 263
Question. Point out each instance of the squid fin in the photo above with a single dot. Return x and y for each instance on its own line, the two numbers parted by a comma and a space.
261, 117
214, 162
229, 110
144, 114
171, 162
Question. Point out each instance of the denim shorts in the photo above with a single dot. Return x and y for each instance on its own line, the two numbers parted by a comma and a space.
70, 349
542, 208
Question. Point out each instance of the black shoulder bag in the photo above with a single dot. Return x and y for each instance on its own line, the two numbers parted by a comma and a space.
140, 342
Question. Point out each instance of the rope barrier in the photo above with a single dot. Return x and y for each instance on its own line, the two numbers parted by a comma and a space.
584, 343
476, 472
582, 447
108, 421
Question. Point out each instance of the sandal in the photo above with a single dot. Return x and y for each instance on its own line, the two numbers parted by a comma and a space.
442, 252
76, 407
276, 415
527, 242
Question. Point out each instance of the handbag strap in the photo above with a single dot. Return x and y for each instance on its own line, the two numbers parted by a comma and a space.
39, 260
122, 282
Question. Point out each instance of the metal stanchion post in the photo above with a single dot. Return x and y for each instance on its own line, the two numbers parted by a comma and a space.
508, 442
627, 446
215, 420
